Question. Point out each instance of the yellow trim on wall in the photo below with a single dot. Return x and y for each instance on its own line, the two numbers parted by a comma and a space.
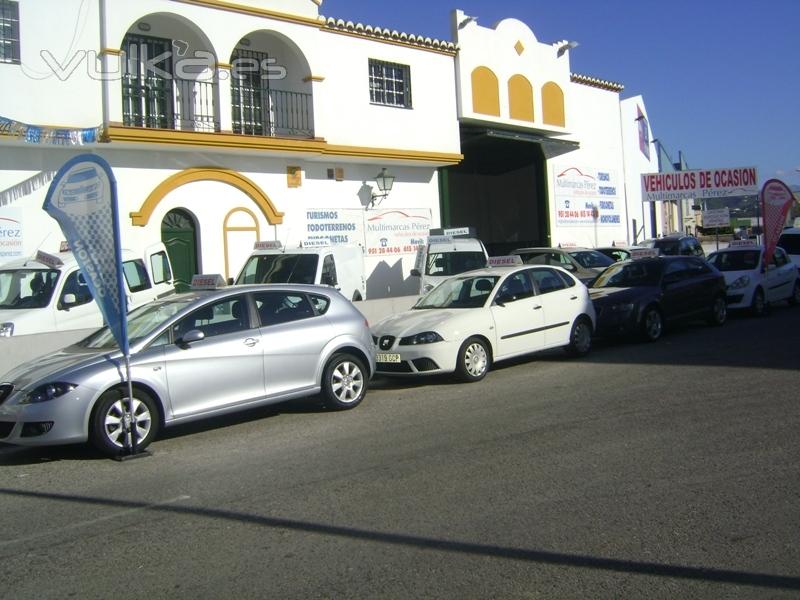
232, 178
316, 146
553, 104
226, 229
256, 12
316, 78
520, 98
485, 92
110, 52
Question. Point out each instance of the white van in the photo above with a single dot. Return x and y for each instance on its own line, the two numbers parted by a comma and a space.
341, 267
446, 255
48, 293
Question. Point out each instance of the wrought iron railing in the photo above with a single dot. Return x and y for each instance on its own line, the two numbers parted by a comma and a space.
273, 113
158, 102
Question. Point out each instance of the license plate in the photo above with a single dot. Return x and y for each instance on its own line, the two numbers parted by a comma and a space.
387, 358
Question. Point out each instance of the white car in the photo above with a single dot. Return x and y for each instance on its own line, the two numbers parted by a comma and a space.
471, 320
749, 285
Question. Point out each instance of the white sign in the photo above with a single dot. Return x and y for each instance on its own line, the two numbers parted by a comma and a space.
394, 232
505, 261
334, 226
713, 183
717, 217
587, 196
11, 233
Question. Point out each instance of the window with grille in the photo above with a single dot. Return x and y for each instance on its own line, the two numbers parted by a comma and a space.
9, 32
250, 94
147, 94
389, 84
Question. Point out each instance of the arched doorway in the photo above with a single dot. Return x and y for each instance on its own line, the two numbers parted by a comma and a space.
179, 234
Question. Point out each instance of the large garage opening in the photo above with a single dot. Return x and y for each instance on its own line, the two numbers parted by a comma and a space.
500, 188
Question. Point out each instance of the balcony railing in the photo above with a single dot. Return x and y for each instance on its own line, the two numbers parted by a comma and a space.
273, 113
158, 102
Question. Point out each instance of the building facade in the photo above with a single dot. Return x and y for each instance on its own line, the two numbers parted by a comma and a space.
227, 122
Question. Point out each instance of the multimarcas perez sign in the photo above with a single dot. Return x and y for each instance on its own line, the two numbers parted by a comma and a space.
699, 184
586, 196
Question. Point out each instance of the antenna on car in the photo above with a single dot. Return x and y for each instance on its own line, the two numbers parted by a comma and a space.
39, 247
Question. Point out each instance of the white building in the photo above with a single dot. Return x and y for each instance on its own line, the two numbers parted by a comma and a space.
230, 122
227, 122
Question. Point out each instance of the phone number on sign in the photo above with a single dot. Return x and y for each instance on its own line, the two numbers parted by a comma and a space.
392, 250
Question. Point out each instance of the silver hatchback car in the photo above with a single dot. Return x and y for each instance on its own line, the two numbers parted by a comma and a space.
193, 355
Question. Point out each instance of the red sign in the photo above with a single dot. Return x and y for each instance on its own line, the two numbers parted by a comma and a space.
776, 199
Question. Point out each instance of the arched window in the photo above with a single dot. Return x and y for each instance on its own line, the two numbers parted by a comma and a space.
485, 92
553, 104
520, 98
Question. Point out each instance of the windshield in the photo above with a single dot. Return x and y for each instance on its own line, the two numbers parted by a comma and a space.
27, 288
280, 268
591, 259
142, 321
453, 263
459, 292
790, 242
740, 260
667, 247
630, 274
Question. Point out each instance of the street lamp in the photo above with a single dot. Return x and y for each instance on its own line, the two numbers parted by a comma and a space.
384, 181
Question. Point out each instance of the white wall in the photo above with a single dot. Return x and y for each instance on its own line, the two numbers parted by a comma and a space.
637, 162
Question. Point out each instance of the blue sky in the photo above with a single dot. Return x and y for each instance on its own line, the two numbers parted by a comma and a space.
720, 78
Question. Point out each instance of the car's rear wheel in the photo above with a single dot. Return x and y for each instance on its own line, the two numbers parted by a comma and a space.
344, 382
580, 338
473, 360
719, 311
652, 326
107, 431
758, 306
794, 299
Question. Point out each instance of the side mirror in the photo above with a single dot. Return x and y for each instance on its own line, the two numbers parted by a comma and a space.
230, 280
69, 299
503, 299
569, 266
193, 335
415, 273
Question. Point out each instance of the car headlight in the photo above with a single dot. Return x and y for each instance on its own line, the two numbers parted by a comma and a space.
426, 337
741, 282
48, 391
6, 329
622, 308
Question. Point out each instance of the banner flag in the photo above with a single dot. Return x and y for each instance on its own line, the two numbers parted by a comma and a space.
776, 200
83, 199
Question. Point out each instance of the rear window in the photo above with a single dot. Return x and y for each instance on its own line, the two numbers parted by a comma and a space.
454, 263
280, 268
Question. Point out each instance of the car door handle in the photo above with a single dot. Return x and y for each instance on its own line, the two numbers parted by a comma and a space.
537, 306
250, 342
573, 297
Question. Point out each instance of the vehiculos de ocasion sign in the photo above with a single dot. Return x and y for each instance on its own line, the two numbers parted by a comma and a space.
776, 200
699, 184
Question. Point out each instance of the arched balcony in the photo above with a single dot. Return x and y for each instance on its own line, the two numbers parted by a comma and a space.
169, 76
270, 87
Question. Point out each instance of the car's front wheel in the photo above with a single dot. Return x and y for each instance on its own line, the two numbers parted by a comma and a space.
719, 311
107, 430
580, 338
473, 360
652, 324
344, 382
794, 299
758, 306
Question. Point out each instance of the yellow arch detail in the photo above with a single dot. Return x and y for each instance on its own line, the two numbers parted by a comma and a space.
485, 92
520, 98
232, 178
553, 104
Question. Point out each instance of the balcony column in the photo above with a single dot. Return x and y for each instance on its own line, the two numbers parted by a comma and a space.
224, 107
110, 75
317, 104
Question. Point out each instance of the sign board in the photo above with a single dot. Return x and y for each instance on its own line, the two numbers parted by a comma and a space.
644, 253
717, 217
776, 199
587, 196
11, 233
711, 183
505, 261
395, 232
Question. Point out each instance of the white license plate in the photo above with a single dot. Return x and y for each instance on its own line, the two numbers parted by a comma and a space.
387, 358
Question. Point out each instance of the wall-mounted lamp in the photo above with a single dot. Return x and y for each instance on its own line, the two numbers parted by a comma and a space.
566, 46
142, 26
384, 181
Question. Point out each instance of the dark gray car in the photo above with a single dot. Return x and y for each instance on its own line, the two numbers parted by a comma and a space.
584, 263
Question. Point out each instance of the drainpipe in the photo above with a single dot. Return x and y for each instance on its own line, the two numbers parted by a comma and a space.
104, 84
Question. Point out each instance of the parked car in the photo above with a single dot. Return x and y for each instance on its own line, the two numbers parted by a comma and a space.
790, 242
750, 285
472, 320
196, 354
584, 263
675, 244
615, 253
639, 297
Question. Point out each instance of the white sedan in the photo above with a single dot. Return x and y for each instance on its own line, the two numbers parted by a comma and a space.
474, 319
750, 286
